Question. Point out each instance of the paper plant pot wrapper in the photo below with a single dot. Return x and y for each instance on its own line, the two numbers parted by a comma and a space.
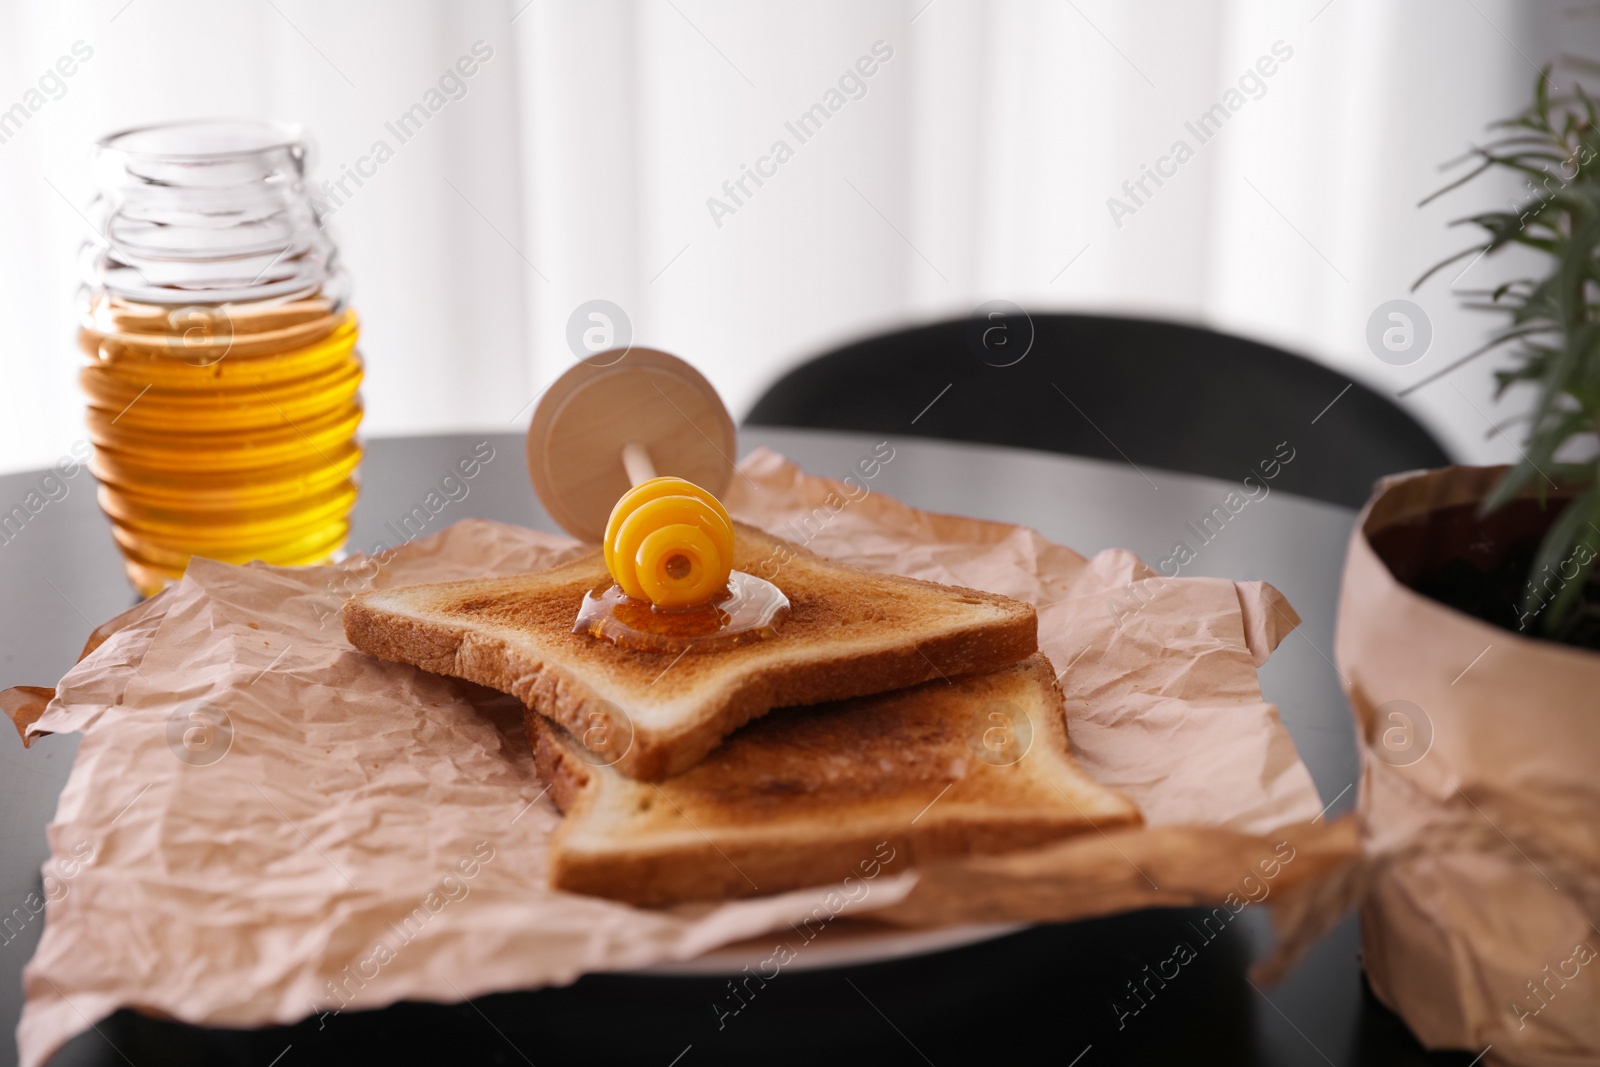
1479, 806
373, 833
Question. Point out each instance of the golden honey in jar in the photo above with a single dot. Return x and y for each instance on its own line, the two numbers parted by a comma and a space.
220, 354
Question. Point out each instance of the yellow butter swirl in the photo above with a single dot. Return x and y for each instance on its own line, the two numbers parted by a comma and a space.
670, 542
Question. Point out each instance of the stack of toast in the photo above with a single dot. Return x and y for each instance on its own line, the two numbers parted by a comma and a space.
886, 710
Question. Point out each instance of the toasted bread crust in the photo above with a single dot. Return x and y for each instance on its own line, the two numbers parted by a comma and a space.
557, 764
818, 794
552, 672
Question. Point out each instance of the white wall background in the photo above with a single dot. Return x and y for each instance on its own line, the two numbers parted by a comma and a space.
977, 166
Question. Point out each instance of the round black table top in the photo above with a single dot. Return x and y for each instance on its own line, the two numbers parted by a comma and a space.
1046, 992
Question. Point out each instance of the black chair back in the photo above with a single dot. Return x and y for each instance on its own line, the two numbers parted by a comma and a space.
1155, 394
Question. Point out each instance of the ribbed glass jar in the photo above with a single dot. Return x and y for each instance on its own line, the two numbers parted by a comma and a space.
221, 366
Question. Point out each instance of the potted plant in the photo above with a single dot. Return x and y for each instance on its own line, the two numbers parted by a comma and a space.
1469, 643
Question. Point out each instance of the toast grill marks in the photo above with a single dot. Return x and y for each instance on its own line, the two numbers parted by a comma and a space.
802, 798
850, 632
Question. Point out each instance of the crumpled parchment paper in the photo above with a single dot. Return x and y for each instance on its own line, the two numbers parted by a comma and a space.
264, 824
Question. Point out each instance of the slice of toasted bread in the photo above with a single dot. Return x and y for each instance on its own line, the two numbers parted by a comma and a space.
850, 632
808, 797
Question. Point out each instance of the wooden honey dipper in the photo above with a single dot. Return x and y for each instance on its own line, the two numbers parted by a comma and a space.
634, 452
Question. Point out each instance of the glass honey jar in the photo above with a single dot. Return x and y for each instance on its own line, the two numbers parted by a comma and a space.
220, 351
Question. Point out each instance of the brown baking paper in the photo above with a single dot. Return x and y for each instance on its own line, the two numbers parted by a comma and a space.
362, 804
1479, 809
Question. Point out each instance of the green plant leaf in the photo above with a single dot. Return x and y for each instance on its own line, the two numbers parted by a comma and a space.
1550, 322
1558, 553
1508, 486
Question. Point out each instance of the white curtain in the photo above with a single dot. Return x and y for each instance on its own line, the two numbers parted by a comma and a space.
587, 156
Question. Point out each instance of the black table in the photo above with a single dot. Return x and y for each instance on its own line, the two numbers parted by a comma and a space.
1046, 991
